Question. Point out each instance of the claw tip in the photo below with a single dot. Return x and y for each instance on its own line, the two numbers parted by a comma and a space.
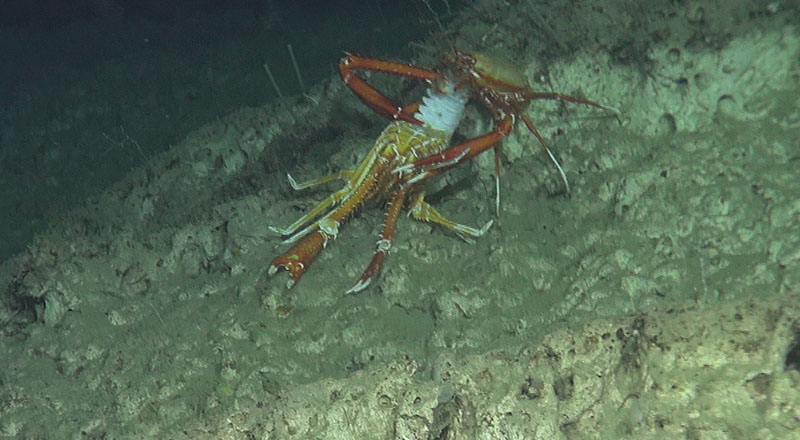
359, 286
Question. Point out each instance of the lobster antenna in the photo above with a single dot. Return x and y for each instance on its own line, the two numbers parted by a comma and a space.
558, 165
553, 158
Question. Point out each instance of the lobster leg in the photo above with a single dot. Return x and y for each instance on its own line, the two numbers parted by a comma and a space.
297, 259
451, 157
385, 242
309, 216
354, 178
371, 96
423, 211
532, 128
317, 210
465, 151
341, 175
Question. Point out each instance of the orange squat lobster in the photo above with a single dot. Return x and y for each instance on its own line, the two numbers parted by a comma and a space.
412, 149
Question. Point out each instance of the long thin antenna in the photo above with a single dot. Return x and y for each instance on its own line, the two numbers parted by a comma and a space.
272, 80
296, 69
435, 15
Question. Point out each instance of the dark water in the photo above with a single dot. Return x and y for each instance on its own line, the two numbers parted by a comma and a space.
91, 89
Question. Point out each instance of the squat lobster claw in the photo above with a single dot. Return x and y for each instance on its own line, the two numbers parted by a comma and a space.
413, 148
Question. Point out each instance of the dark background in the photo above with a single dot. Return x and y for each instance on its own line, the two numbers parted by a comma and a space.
90, 89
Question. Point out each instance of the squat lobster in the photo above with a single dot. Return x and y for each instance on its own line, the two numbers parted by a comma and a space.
413, 148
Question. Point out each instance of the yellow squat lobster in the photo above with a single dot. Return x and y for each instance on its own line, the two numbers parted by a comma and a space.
412, 149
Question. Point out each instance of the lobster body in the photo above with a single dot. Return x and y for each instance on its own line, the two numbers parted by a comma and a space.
400, 143
413, 148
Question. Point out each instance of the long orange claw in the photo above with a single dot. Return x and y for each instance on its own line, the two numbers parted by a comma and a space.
297, 259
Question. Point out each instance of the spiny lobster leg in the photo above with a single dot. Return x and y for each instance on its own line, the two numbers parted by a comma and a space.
384, 242
341, 175
319, 208
423, 211
532, 128
391, 67
454, 156
371, 96
297, 259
